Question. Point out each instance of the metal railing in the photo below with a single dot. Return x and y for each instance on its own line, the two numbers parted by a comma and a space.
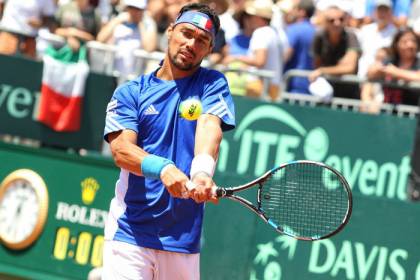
351, 79
102, 57
348, 104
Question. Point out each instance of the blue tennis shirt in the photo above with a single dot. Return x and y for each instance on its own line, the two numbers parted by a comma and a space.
142, 212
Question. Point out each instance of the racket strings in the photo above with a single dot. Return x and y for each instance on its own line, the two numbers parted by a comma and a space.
305, 200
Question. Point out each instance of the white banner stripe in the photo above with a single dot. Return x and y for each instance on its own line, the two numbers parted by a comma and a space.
66, 79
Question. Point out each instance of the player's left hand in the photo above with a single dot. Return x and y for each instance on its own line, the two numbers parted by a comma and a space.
202, 189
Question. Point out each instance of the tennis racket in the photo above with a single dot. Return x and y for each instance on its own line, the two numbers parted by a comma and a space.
303, 199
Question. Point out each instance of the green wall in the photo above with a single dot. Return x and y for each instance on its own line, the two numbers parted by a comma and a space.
20, 83
381, 241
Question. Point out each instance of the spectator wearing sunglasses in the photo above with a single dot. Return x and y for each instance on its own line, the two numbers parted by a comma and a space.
335, 48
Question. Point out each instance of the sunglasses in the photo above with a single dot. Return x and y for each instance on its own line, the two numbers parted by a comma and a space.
332, 20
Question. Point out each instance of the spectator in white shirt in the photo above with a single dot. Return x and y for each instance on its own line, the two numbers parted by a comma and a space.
130, 30
20, 24
265, 49
376, 35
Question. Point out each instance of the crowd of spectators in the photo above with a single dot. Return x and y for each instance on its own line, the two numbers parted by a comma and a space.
378, 40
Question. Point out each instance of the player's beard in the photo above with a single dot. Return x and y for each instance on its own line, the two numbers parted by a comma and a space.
184, 66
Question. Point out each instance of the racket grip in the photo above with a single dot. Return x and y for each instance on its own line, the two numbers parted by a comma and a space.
215, 191
190, 185
218, 192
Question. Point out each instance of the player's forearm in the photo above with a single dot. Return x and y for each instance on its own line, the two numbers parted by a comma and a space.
128, 156
208, 135
207, 141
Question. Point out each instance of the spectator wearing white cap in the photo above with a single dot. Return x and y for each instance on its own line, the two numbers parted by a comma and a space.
376, 35
265, 48
130, 30
401, 11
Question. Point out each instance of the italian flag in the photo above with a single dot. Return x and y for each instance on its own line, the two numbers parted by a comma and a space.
63, 84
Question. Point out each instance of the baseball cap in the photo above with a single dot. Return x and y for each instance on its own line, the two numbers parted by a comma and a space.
386, 3
139, 4
261, 8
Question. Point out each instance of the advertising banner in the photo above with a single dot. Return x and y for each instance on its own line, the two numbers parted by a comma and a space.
381, 240
20, 86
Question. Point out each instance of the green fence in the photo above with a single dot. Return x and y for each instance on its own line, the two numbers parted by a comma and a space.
381, 241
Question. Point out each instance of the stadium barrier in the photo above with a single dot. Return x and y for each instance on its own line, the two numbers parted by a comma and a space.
102, 57
20, 97
355, 104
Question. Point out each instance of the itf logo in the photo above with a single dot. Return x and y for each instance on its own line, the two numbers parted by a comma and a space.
268, 136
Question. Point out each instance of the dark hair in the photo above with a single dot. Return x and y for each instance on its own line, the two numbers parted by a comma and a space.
239, 17
395, 56
202, 8
307, 6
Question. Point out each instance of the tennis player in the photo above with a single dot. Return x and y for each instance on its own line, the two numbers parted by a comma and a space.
155, 220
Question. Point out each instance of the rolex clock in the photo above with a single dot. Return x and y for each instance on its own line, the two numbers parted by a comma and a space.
23, 208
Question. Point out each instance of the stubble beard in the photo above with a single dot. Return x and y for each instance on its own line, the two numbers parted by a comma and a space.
182, 65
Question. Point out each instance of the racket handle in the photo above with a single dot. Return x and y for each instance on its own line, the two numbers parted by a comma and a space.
190, 185
218, 192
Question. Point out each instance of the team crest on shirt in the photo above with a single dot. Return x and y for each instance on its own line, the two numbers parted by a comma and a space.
190, 109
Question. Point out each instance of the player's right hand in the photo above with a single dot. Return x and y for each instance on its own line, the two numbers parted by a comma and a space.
201, 190
175, 181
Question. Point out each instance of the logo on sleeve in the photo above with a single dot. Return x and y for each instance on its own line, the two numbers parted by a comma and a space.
112, 105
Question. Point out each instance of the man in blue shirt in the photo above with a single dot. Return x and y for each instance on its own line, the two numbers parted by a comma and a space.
154, 226
401, 10
300, 35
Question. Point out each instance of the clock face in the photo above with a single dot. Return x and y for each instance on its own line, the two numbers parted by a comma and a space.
23, 208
